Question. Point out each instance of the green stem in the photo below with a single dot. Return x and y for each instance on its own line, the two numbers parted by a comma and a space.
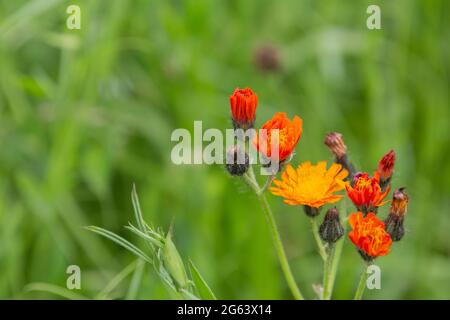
315, 230
267, 184
337, 250
362, 284
328, 273
250, 179
279, 248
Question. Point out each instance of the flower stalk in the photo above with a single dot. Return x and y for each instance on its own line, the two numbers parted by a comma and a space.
328, 273
362, 283
320, 245
249, 177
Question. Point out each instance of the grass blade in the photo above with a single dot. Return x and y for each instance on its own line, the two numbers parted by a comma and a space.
145, 236
203, 289
56, 290
137, 209
120, 241
136, 280
117, 280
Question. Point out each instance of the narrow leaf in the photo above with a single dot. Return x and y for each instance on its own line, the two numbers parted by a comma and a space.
137, 209
145, 236
56, 290
120, 241
188, 295
203, 289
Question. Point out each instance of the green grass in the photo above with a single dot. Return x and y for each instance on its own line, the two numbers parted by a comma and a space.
86, 113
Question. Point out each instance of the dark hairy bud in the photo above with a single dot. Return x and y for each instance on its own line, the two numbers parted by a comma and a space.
331, 229
237, 161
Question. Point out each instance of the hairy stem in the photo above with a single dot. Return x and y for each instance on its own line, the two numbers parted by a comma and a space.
328, 273
362, 284
249, 178
320, 245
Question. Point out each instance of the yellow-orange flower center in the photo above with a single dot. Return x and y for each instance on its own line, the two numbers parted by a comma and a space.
311, 185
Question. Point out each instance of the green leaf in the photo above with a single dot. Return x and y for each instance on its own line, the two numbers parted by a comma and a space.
174, 263
145, 236
203, 289
137, 209
188, 295
120, 241
136, 281
56, 290
117, 280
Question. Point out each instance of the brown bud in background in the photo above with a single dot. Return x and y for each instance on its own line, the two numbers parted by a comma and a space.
267, 58
396, 217
331, 229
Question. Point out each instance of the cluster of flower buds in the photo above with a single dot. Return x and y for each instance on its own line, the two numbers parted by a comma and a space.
313, 186
280, 131
372, 236
243, 104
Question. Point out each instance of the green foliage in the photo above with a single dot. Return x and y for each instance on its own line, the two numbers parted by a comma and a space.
85, 113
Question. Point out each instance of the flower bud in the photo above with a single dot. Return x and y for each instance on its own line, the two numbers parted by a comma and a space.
237, 161
243, 104
331, 229
311, 211
386, 168
174, 263
394, 221
335, 142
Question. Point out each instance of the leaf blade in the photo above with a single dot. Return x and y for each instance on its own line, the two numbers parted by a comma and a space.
203, 288
120, 241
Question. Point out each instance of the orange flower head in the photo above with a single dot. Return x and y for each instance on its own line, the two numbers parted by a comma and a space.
289, 132
243, 104
369, 235
366, 193
310, 185
386, 165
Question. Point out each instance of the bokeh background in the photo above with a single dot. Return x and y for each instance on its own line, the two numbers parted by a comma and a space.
85, 113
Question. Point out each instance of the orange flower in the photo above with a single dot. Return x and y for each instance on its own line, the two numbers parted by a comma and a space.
310, 185
289, 132
243, 104
386, 165
366, 192
369, 235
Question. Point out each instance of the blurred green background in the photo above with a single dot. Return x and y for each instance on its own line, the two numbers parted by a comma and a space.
85, 113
